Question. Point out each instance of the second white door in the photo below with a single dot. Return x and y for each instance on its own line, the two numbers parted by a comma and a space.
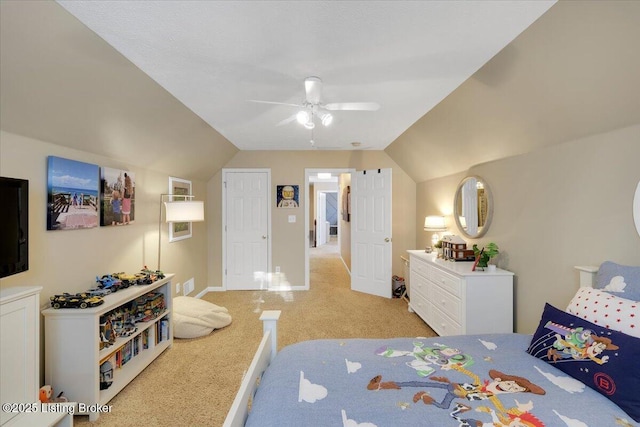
371, 232
247, 220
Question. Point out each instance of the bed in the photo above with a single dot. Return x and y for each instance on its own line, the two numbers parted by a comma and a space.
579, 368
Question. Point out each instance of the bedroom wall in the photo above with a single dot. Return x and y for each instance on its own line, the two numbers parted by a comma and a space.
557, 207
289, 240
69, 260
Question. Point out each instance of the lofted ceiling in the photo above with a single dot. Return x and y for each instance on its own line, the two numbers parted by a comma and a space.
217, 56
168, 85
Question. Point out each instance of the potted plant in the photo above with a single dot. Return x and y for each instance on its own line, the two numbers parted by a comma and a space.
485, 255
438, 246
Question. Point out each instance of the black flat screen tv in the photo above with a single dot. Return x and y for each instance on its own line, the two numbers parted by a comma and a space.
14, 226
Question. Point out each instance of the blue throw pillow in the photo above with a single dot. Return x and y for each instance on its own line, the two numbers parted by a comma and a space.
620, 280
603, 359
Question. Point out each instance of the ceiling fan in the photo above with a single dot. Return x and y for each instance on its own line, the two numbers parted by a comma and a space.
314, 106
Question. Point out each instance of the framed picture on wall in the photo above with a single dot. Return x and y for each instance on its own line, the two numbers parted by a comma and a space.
178, 187
346, 204
117, 197
72, 194
287, 196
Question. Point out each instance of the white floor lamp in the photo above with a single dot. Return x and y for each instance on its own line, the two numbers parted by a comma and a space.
179, 211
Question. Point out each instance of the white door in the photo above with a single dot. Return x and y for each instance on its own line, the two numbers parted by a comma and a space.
321, 218
371, 232
246, 227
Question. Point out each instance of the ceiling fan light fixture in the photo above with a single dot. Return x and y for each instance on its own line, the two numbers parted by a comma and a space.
309, 125
327, 119
303, 117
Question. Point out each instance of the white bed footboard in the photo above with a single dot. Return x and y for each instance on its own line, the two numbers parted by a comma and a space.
237, 415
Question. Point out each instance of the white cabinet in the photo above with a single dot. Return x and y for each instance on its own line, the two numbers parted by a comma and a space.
19, 352
20, 363
453, 300
72, 347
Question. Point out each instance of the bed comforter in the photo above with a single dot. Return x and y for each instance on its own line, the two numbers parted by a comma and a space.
481, 380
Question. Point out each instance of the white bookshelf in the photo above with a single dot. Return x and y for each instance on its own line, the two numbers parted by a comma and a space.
73, 354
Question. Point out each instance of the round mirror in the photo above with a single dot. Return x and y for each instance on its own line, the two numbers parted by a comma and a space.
636, 208
473, 207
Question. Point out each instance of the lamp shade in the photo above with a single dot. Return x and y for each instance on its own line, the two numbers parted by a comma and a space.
184, 211
435, 223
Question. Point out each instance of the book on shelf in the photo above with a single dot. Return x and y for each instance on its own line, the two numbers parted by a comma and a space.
164, 328
126, 352
136, 345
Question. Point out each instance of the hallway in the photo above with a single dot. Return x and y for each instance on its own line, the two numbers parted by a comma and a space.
330, 249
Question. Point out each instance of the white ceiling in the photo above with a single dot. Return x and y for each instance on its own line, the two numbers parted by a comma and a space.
216, 56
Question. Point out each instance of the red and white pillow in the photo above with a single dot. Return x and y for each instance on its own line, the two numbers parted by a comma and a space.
606, 310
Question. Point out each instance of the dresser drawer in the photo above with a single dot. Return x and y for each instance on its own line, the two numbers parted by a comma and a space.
420, 267
442, 324
446, 281
420, 305
446, 302
419, 284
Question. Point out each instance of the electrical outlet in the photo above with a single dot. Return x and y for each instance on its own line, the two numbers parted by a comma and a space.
277, 269
177, 288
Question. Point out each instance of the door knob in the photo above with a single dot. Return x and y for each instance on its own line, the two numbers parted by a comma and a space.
264, 237
386, 239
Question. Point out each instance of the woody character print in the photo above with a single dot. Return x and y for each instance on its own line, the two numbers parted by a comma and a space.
500, 383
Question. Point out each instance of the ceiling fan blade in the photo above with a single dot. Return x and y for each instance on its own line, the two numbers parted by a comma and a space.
352, 106
313, 90
276, 103
287, 120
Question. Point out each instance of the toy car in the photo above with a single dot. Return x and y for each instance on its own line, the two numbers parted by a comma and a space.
82, 300
143, 279
153, 275
109, 282
98, 292
126, 279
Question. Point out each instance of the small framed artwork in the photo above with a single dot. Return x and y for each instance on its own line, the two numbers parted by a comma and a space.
72, 194
346, 204
117, 197
287, 196
178, 187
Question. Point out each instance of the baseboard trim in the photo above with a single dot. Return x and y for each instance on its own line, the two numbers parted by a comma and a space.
221, 289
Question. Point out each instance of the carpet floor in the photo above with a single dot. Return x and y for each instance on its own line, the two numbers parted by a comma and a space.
194, 382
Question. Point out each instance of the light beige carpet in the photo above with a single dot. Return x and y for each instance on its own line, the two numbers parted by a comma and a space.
194, 382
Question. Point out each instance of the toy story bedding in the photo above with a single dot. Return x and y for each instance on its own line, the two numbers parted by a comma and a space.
481, 380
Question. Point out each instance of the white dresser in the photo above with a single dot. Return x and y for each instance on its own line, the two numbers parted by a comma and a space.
453, 300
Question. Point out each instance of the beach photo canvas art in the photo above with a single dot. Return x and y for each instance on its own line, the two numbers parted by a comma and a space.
117, 196
72, 192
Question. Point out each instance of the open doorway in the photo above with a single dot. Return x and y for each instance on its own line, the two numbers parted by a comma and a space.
326, 219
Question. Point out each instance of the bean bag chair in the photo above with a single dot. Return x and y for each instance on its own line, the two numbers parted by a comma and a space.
193, 317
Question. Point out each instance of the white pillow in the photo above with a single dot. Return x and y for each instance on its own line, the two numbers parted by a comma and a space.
609, 311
